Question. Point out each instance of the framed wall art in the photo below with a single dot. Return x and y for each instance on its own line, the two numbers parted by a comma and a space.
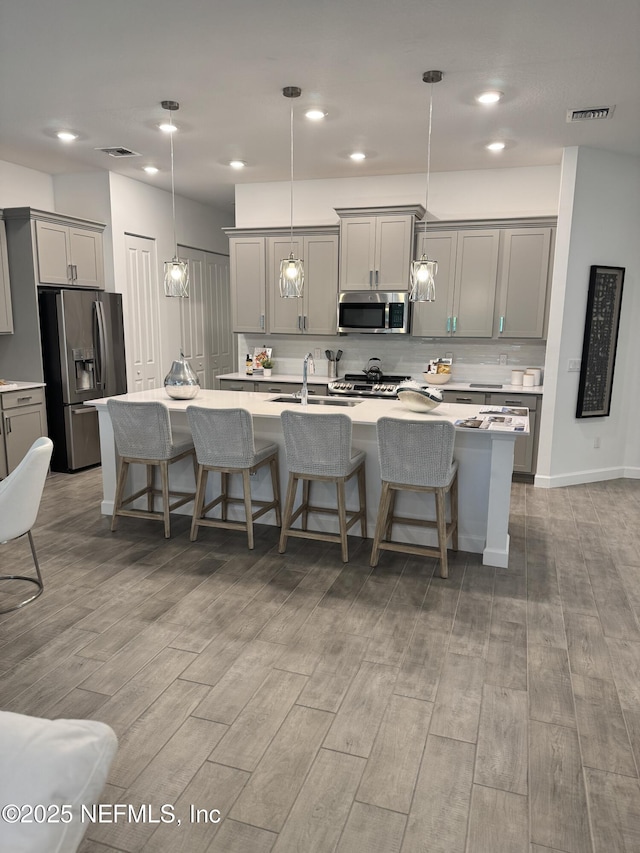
600, 341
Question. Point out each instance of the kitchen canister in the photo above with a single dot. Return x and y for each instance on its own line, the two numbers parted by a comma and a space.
536, 373
528, 380
517, 377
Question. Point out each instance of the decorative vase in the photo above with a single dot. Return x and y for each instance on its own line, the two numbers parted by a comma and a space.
267, 371
181, 382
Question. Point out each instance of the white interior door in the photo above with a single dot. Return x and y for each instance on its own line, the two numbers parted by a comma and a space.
142, 319
219, 316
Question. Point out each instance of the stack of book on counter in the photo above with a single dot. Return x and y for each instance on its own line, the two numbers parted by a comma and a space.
503, 418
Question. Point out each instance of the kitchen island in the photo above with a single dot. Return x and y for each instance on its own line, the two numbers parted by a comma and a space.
485, 461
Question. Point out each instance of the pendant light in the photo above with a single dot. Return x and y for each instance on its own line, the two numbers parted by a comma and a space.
291, 268
423, 271
176, 271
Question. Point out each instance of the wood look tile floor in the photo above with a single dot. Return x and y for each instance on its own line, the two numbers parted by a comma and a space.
326, 707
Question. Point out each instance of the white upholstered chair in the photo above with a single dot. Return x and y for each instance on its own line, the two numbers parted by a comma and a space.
20, 496
416, 456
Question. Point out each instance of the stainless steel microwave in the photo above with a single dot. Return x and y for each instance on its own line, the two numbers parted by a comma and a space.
374, 312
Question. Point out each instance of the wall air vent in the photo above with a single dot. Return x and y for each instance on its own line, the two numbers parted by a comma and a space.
119, 151
591, 114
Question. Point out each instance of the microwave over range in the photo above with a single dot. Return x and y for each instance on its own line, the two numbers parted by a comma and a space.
374, 312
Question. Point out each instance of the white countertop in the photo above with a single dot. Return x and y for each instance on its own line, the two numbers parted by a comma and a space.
366, 412
19, 386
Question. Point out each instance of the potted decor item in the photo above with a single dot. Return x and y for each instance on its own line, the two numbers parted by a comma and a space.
181, 382
267, 365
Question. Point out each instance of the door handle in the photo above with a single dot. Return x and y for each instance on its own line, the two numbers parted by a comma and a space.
262, 321
304, 322
85, 410
7, 426
514, 403
370, 279
501, 325
455, 324
75, 271
24, 399
377, 276
70, 272
448, 324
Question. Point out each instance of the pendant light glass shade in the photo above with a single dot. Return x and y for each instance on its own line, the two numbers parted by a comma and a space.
291, 268
176, 271
423, 284
424, 270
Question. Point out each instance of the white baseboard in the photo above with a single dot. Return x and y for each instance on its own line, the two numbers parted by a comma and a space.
632, 473
578, 478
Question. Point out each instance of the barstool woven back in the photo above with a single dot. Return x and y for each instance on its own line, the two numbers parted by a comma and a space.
222, 437
317, 444
141, 430
417, 453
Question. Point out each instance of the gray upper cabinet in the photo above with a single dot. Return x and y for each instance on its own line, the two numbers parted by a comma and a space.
248, 283
71, 256
6, 314
376, 247
315, 312
465, 284
523, 282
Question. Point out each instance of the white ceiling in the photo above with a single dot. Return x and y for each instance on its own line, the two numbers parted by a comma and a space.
102, 68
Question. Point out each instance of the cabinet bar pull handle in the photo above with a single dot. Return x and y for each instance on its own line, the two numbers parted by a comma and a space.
501, 325
7, 426
75, 272
377, 276
448, 324
24, 399
262, 321
455, 324
70, 272
514, 403
463, 400
370, 279
304, 322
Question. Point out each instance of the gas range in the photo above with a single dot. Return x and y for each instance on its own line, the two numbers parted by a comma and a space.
357, 385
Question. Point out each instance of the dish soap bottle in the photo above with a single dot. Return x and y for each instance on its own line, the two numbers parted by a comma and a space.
249, 370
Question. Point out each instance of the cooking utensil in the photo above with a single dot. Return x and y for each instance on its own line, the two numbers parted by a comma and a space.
329, 354
339, 355
373, 370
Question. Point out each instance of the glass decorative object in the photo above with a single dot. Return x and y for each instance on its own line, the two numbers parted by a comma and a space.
181, 382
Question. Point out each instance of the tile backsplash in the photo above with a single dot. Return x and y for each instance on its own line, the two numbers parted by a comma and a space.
399, 354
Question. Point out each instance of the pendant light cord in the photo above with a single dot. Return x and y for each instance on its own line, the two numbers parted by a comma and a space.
426, 200
173, 192
291, 196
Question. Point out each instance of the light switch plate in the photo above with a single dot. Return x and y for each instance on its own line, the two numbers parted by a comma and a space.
502, 359
574, 365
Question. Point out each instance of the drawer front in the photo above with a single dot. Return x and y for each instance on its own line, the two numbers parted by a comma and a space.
476, 398
529, 401
291, 388
236, 385
26, 397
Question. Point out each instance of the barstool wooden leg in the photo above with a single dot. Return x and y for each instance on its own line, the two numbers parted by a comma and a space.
288, 511
453, 500
306, 488
362, 495
441, 520
198, 502
275, 483
246, 490
150, 495
342, 519
123, 470
224, 482
164, 474
381, 523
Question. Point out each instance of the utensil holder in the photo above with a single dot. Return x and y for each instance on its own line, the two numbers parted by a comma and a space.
331, 370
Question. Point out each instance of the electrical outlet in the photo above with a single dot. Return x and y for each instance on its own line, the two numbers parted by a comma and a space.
502, 358
317, 353
574, 365
596, 442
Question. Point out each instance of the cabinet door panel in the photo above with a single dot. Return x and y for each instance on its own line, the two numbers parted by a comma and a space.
393, 252
6, 313
430, 319
475, 287
285, 315
87, 258
21, 428
219, 311
54, 255
321, 284
524, 267
247, 258
193, 315
357, 253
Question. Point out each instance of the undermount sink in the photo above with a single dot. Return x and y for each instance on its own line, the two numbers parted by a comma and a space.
316, 401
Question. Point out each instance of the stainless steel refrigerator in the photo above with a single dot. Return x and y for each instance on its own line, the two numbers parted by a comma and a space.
82, 334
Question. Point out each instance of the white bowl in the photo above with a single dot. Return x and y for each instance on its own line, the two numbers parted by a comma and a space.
437, 378
418, 399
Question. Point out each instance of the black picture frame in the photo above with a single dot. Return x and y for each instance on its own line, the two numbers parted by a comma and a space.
600, 342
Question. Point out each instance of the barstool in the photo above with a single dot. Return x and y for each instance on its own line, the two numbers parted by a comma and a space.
225, 443
416, 456
318, 447
144, 436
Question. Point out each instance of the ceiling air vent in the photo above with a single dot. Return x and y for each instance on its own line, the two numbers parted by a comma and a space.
591, 114
119, 151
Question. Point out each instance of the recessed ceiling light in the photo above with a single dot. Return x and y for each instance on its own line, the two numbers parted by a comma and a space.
358, 155
150, 170
495, 146
66, 136
491, 97
167, 127
237, 164
315, 115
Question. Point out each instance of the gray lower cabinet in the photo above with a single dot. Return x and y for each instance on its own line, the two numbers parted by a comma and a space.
24, 419
526, 446
6, 313
237, 385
